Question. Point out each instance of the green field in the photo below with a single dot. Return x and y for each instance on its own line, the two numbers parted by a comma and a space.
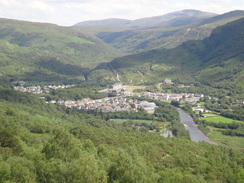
216, 118
166, 101
211, 115
202, 103
132, 88
216, 136
135, 120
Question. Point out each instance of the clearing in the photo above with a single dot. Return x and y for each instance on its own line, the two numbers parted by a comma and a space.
217, 118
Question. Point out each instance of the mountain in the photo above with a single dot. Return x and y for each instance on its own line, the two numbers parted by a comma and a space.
175, 19
167, 34
217, 59
111, 22
48, 53
36, 50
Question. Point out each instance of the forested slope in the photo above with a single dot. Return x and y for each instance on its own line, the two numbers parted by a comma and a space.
215, 60
38, 51
45, 143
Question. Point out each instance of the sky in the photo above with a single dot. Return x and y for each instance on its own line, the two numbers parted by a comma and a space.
70, 12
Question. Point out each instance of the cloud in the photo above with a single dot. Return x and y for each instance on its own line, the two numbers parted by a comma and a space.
69, 12
40, 6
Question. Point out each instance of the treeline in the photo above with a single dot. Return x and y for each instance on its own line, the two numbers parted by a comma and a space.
5, 82
218, 105
227, 107
220, 90
233, 133
141, 114
231, 129
45, 143
237, 114
196, 88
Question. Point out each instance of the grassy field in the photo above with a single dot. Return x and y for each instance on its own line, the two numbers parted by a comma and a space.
216, 118
217, 137
210, 115
132, 88
166, 101
135, 120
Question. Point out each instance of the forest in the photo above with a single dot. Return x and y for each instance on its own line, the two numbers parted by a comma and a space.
42, 142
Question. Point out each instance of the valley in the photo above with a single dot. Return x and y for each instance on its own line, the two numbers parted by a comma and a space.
157, 99
124, 102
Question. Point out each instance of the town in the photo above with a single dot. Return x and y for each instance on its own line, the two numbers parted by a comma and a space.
122, 102
105, 105
182, 97
39, 89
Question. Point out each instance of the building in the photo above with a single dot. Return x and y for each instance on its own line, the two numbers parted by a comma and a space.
148, 106
167, 81
117, 86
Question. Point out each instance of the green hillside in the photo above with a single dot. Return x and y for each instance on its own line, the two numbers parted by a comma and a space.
35, 50
166, 35
214, 60
44, 143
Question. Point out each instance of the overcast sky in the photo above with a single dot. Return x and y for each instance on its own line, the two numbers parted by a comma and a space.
70, 12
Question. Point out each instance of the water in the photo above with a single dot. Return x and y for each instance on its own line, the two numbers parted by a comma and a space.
195, 133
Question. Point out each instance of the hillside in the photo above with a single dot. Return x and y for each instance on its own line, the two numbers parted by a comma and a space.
39, 51
216, 59
44, 143
169, 33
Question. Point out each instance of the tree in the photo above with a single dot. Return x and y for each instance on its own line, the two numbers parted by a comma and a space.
175, 103
130, 168
62, 146
22, 170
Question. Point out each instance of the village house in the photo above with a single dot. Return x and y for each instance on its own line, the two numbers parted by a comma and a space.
148, 106
117, 86
106, 109
167, 133
167, 81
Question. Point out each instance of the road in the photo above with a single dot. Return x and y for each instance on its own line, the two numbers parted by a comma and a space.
195, 133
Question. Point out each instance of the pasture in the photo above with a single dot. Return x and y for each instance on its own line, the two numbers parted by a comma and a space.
216, 136
217, 118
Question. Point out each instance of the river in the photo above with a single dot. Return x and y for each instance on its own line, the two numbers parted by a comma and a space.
195, 133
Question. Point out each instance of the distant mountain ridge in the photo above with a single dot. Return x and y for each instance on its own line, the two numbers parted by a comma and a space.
157, 21
169, 34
